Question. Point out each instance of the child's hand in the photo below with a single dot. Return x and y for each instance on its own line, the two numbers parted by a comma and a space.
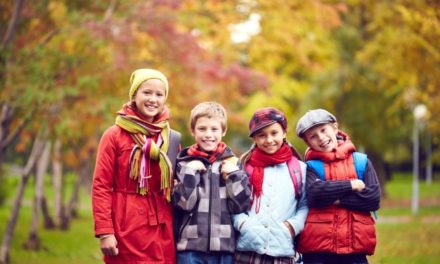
291, 230
228, 167
108, 245
357, 185
197, 165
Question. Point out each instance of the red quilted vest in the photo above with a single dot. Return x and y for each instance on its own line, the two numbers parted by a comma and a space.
334, 229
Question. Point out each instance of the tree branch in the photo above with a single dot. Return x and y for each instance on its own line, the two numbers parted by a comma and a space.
12, 23
109, 11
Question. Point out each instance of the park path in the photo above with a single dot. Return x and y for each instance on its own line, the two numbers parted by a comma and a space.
406, 203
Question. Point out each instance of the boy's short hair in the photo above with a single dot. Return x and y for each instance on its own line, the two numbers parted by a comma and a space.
210, 110
313, 118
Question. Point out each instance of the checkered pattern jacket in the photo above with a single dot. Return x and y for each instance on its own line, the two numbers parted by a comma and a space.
207, 202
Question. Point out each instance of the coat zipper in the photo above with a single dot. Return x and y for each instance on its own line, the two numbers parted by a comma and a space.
210, 205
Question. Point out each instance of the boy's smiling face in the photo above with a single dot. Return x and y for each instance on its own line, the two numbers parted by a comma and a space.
322, 137
208, 133
270, 139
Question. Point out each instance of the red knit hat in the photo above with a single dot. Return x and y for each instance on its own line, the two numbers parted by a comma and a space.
264, 117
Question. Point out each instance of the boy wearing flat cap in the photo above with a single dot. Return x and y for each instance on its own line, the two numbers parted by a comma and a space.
342, 190
268, 229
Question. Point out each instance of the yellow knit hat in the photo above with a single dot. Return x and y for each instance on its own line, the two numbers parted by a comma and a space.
141, 75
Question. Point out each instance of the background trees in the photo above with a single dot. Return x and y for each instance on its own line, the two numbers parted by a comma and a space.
65, 67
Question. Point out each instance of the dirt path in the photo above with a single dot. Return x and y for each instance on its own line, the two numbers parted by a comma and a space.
405, 203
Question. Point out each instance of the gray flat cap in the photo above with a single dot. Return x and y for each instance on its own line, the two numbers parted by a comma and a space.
313, 118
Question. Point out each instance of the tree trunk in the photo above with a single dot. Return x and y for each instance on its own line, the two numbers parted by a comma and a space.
86, 172
43, 164
7, 110
48, 220
12, 27
9, 231
85, 175
65, 218
71, 211
57, 170
33, 242
5, 121
72, 208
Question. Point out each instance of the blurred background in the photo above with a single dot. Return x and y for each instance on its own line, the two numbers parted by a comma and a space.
65, 68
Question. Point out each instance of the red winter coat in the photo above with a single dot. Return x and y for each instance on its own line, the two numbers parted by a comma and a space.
334, 229
143, 225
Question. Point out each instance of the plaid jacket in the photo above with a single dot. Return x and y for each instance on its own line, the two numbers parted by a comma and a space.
208, 201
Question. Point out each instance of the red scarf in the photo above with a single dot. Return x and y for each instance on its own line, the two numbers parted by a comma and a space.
211, 156
260, 159
342, 151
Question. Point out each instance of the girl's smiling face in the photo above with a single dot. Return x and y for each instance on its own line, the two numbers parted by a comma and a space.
150, 99
270, 139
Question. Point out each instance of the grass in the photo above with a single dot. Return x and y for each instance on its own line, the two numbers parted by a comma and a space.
405, 239
400, 187
410, 242
77, 245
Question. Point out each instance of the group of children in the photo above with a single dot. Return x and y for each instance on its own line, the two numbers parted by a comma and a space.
262, 208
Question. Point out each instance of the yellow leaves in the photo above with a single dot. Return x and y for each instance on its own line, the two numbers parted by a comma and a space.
69, 45
328, 16
57, 12
144, 43
294, 38
34, 24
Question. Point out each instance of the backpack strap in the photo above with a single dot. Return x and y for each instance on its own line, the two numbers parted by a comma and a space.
318, 167
249, 169
295, 173
360, 163
174, 146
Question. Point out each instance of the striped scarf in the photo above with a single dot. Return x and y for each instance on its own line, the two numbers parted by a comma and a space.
146, 149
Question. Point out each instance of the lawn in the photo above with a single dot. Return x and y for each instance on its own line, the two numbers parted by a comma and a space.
402, 238
77, 245
410, 242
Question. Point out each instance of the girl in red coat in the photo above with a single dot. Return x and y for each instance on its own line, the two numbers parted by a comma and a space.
133, 175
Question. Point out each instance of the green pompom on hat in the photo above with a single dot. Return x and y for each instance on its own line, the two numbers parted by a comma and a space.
141, 75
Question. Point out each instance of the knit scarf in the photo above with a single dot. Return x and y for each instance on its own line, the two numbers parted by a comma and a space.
342, 151
260, 159
211, 156
146, 148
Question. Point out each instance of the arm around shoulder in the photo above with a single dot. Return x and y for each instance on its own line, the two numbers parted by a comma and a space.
239, 191
298, 220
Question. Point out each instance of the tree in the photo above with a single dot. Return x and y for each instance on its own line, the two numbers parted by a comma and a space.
7, 237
